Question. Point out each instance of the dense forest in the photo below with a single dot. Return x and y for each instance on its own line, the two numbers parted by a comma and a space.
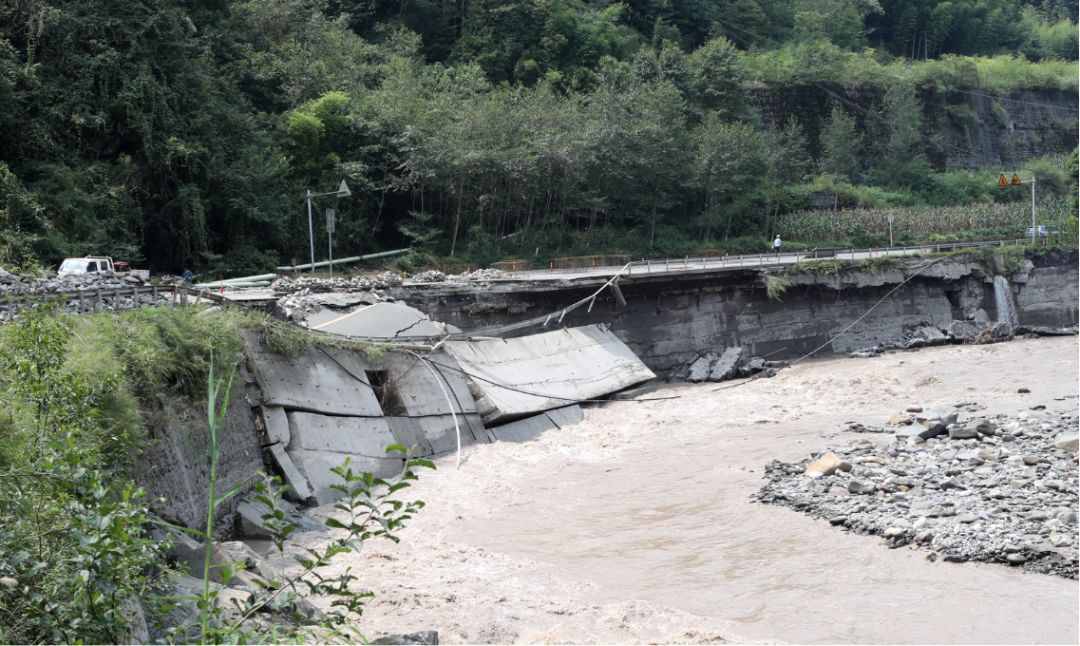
185, 133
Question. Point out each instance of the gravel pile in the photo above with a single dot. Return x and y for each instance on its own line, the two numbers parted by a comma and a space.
383, 280
436, 276
1000, 489
479, 275
429, 276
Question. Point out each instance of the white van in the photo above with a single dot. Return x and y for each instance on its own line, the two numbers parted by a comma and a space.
88, 265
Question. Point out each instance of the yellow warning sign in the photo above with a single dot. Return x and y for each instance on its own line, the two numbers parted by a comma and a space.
1016, 180
1002, 181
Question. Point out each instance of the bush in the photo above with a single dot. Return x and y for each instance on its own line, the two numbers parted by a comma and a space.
73, 530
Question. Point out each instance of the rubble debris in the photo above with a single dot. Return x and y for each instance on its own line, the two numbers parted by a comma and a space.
720, 367
428, 637
974, 332
79, 292
479, 275
429, 276
1000, 490
49, 283
382, 280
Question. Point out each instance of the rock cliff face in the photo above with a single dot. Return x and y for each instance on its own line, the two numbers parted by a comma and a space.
962, 129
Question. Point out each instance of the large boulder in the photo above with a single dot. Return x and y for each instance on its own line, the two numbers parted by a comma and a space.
700, 367
826, 465
1067, 442
725, 366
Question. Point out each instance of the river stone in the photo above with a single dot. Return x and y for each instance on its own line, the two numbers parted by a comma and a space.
861, 487
825, 465
1067, 442
1060, 540
962, 432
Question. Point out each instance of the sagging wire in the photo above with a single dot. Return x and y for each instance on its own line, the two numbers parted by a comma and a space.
846, 329
457, 426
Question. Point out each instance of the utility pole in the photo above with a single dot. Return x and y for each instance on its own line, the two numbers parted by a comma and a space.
343, 191
310, 230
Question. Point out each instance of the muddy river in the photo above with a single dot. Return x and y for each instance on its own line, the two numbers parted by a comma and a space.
637, 525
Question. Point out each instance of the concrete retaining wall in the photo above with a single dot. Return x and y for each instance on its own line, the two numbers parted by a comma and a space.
324, 404
670, 320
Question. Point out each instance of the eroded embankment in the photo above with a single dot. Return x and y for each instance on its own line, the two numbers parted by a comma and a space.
648, 530
668, 320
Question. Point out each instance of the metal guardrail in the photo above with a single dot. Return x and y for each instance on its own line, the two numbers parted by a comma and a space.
109, 300
768, 259
181, 295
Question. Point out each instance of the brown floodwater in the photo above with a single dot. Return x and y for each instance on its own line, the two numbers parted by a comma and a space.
637, 525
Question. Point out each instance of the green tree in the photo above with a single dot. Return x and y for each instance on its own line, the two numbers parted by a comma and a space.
729, 163
840, 145
902, 161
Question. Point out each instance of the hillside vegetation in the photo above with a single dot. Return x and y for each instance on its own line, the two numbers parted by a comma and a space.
185, 134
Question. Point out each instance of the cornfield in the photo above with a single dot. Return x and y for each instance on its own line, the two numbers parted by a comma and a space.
917, 222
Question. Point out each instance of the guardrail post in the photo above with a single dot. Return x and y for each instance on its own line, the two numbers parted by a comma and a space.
153, 296
82, 306
116, 300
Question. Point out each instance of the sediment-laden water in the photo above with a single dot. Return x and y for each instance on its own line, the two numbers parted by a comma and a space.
639, 524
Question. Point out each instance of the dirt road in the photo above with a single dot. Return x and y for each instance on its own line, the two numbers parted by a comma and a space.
637, 525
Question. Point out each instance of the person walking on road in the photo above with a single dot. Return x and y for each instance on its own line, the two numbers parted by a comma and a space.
776, 244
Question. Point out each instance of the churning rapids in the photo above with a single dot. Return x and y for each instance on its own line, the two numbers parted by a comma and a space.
638, 525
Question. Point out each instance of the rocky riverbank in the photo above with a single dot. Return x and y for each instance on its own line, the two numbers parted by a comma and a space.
964, 487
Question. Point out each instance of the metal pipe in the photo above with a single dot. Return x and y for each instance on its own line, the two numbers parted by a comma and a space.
1034, 226
341, 261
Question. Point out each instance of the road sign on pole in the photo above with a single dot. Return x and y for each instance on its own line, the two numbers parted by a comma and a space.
1002, 181
330, 238
1016, 180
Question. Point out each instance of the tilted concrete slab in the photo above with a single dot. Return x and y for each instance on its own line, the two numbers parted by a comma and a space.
317, 466
378, 321
298, 483
439, 431
421, 392
320, 380
523, 430
276, 423
530, 374
566, 416
368, 436
407, 431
